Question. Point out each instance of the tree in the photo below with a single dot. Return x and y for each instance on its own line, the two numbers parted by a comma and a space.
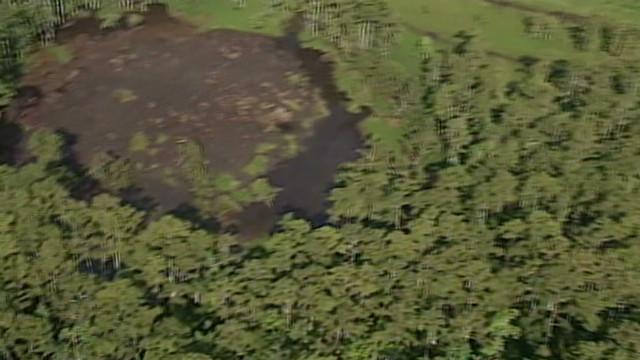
46, 146
114, 172
579, 37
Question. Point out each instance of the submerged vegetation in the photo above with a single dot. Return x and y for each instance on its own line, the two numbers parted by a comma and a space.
491, 216
223, 195
124, 95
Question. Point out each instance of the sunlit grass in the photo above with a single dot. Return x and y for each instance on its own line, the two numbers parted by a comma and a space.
208, 15
406, 51
386, 131
626, 11
498, 29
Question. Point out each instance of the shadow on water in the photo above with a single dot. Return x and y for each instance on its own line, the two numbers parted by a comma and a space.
307, 179
11, 134
10, 137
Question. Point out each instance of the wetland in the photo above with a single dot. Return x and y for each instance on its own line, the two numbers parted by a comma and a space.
256, 109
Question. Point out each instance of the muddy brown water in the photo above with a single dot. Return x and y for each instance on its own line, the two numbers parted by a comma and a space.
305, 179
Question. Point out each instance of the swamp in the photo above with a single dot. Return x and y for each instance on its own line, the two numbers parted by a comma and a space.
154, 108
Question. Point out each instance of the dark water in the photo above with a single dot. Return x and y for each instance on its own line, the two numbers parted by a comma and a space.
307, 179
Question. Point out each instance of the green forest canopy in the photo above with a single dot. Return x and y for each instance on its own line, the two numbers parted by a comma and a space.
503, 226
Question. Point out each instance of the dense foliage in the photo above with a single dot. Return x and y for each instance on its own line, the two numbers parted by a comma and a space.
505, 227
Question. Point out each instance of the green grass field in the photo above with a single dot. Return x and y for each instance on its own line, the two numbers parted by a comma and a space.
620, 11
497, 28
209, 15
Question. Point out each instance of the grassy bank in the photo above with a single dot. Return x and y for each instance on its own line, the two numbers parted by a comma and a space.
210, 15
